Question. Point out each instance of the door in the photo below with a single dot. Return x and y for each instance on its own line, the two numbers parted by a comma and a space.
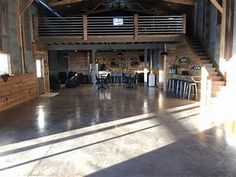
40, 76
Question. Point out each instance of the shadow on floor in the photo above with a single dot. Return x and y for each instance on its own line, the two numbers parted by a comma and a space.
201, 155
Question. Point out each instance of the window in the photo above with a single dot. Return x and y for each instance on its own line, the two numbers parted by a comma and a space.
39, 68
5, 66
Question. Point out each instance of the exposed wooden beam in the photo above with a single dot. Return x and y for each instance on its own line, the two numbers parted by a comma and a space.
120, 38
184, 2
136, 26
223, 31
1, 25
19, 31
63, 2
85, 27
26, 6
217, 5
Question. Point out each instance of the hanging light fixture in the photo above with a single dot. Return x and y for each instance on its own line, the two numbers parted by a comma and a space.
164, 52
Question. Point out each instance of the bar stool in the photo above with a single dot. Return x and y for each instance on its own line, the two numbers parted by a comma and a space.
192, 90
169, 84
185, 89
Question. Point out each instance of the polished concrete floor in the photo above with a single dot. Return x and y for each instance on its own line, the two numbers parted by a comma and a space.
114, 133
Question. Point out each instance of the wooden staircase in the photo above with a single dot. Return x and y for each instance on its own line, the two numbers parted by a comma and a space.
218, 82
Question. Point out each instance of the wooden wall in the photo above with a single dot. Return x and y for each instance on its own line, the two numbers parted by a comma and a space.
79, 61
179, 50
18, 89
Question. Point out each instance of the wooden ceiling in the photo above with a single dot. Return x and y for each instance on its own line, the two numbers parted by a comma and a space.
120, 7
55, 3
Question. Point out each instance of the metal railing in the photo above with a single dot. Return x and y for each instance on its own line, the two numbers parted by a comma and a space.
79, 26
104, 26
54, 26
161, 25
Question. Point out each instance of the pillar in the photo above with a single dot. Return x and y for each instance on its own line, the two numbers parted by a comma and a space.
145, 66
94, 72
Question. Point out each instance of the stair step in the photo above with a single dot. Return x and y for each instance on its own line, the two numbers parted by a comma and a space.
213, 73
218, 83
216, 88
208, 65
203, 57
201, 54
206, 61
214, 94
210, 70
200, 50
216, 78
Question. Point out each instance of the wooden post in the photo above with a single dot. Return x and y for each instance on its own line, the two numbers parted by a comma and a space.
0, 25
165, 70
20, 37
223, 34
85, 27
136, 26
94, 68
35, 28
145, 66
195, 19
26, 6
184, 23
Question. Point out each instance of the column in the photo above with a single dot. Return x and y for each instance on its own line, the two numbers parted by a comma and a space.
145, 66
94, 72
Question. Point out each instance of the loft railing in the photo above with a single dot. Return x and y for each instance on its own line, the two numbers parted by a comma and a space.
161, 25
112, 26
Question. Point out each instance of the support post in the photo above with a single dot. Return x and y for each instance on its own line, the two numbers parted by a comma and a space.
85, 28
20, 36
164, 70
184, 23
26, 6
94, 67
136, 26
145, 66
223, 35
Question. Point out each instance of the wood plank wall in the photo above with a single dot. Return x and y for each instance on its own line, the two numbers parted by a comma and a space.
18, 89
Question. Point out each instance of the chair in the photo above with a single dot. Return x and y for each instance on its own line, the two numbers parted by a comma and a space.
133, 80
125, 80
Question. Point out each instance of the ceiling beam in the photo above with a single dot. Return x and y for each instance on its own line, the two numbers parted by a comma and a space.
124, 46
26, 6
217, 5
184, 2
63, 2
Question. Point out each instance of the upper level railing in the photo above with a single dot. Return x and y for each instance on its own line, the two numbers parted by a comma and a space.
103, 26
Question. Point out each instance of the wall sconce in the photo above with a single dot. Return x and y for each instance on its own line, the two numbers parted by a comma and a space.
184, 60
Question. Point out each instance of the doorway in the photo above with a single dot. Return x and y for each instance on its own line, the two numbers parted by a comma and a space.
40, 76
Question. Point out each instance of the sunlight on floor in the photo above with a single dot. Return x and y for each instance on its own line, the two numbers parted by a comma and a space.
101, 146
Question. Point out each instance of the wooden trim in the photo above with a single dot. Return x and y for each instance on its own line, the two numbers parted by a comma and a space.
217, 5
195, 19
63, 2
223, 30
120, 38
20, 37
184, 23
26, 6
1, 11
136, 26
184, 2
85, 28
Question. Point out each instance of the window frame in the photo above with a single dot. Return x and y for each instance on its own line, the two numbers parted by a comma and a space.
8, 61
